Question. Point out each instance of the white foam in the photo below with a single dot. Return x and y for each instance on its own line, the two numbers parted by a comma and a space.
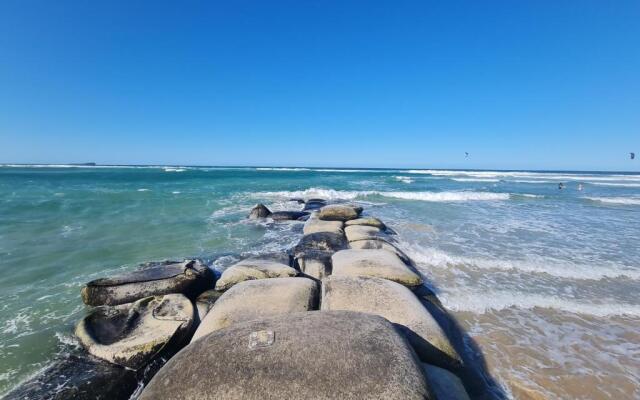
143, 190
170, 169
281, 169
614, 184
634, 201
436, 258
331, 194
405, 179
530, 176
475, 180
480, 302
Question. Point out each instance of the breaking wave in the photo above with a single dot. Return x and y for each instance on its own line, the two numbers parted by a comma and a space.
634, 201
331, 194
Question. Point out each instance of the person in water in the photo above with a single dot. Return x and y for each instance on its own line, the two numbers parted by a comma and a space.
560, 186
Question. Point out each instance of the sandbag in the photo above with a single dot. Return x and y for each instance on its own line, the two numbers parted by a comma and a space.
314, 225
311, 355
397, 304
78, 377
339, 212
259, 298
377, 263
204, 302
380, 243
315, 263
131, 335
363, 232
253, 268
323, 241
444, 385
189, 277
314, 204
369, 221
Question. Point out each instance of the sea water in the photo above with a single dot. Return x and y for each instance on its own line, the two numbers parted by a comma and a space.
545, 280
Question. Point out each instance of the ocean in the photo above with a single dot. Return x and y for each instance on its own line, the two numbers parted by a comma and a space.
545, 280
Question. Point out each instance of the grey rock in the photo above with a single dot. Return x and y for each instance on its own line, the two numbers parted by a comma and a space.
259, 211
253, 268
314, 204
259, 298
339, 212
315, 264
78, 377
204, 302
397, 304
189, 277
376, 263
131, 335
311, 355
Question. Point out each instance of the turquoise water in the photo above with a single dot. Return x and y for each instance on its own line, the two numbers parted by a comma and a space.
527, 268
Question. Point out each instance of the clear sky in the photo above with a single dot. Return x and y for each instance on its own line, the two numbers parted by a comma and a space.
518, 84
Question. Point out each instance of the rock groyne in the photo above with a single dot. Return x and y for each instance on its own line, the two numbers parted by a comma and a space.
343, 314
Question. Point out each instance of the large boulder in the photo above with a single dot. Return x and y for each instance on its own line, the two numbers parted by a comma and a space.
189, 277
259, 211
131, 335
259, 298
314, 225
311, 355
288, 215
324, 241
397, 304
253, 268
368, 221
380, 243
363, 232
443, 384
78, 377
377, 263
339, 212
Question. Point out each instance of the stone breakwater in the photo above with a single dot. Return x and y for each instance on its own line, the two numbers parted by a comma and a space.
344, 314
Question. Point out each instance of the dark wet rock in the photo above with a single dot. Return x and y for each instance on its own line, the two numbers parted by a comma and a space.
78, 377
397, 304
443, 384
314, 204
339, 212
325, 241
259, 211
311, 355
253, 268
297, 200
376, 263
131, 335
204, 302
288, 215
259, 298
189, 277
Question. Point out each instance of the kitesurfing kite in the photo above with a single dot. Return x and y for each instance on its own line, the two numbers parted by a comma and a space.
633, 155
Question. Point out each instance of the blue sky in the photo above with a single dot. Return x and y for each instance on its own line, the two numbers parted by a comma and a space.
517, 84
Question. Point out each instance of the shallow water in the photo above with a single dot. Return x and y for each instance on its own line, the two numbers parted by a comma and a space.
546, 281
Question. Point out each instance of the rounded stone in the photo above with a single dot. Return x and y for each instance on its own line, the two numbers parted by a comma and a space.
252, 268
